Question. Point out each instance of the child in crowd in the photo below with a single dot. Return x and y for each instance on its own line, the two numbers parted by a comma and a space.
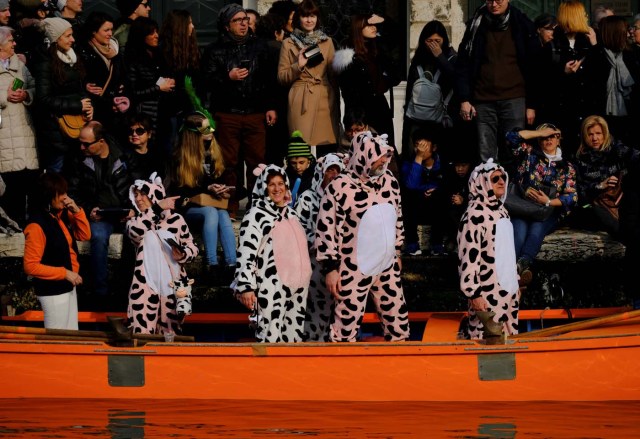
424, 199
456, 187
300, 165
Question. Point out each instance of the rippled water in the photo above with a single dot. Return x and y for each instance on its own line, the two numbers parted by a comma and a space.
133, 419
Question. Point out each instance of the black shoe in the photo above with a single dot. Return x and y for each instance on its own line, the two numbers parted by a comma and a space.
524, 270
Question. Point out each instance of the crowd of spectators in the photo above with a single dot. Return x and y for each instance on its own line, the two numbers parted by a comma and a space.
106, 102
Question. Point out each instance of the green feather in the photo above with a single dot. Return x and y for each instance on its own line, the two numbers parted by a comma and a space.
196, 102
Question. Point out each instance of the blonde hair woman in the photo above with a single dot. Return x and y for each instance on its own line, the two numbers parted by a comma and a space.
568, 63
198, 171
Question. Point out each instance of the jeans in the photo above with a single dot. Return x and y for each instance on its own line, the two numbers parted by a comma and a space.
213, 221
100, 233
528, 235
495, 119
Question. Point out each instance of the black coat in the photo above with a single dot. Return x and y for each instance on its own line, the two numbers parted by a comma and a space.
143, 72
256, 93
55, 99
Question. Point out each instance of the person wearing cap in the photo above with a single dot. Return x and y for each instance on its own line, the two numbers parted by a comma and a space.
59, 91
545, 25
300, 165
70, 10
544, 178
129, 11
5, 13
365, 73
236, 71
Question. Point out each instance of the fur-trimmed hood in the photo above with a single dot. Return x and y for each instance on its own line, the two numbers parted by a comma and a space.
342, 59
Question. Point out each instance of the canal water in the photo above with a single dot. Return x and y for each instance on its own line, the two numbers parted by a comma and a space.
133, 419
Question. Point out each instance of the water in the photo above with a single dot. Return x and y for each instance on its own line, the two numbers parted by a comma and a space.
133, 419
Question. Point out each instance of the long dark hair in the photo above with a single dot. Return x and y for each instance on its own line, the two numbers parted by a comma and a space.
423, 55
363, 48
180, 49
58, 72
140, 29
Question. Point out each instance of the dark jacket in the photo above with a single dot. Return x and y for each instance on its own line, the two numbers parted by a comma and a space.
632, 60
101, 183
56, 254
446, 63
143, 72
55, 99
527, 46
97, 73
255, 94
363, 84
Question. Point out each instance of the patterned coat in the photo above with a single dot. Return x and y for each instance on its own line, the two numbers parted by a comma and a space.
485, 266
152, 302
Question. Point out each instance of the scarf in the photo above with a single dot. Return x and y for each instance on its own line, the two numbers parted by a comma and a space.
239, 40
496, 23
68, 57
106, 52
618, 84
303, 39
554, 157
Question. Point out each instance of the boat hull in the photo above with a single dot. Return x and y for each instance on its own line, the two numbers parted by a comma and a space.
595, 365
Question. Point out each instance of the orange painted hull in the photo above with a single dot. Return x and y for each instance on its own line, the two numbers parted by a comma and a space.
593, 365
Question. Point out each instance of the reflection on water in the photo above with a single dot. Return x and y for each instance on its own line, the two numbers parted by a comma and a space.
132, 419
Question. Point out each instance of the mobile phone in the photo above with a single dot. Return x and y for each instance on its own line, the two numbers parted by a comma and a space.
17, 83
172, 242
245, 64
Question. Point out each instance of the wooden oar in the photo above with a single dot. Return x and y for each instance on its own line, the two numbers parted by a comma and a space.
87, 334
579, 326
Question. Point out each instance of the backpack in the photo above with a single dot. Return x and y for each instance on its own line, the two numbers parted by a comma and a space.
426, 102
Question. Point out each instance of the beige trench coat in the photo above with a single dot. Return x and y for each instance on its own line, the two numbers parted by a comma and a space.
313, 107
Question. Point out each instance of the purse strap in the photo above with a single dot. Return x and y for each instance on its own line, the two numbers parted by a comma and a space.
106, 84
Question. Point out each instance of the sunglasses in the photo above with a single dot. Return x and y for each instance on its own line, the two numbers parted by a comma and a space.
88, 144
497, 178
139, 131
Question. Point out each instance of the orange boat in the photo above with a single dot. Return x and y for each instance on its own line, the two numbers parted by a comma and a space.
593, 360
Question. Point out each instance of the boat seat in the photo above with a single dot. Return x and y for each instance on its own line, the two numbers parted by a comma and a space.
443, 326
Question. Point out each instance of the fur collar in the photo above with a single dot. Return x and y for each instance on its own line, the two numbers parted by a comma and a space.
342, 59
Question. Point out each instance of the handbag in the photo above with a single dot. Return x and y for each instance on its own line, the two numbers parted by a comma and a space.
610, 200
519, 206
208, 200
71, 124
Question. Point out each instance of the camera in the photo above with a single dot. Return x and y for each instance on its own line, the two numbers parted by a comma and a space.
313, 55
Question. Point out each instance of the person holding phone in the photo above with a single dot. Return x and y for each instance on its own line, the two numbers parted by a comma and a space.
568, 62
50, 251
19, 164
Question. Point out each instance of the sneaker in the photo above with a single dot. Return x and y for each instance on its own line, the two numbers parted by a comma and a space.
412, 249
438, 250
524, 270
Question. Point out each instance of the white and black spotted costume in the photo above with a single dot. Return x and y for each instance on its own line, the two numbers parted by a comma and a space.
152, 302
320, 301
273, 262
359, 232
486, 253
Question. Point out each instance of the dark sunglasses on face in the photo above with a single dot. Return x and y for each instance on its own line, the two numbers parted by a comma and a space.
88, 144
139, 131
498, 177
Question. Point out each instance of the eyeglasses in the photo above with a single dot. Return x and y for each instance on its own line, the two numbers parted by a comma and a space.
146, 5
139, 131
497, 178
240, 20
88, 144
497, 2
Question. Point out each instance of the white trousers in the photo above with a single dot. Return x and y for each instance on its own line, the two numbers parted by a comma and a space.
60, 311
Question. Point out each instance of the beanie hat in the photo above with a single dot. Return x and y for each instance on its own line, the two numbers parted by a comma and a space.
226, 14
4, 4
54, 27
298, 147
127, 7
61, 4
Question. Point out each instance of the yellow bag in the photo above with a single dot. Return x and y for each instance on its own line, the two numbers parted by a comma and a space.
71, 124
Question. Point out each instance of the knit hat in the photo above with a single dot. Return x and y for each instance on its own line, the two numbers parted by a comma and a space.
298, 147
127, 7
61, 4
4, 4
226, 14
54, 27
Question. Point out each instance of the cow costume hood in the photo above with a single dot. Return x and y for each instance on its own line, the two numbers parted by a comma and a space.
152, 188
